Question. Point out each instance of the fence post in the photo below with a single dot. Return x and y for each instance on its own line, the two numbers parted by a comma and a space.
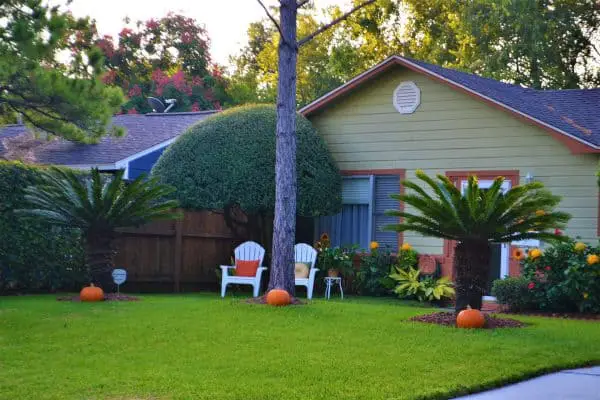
178, 255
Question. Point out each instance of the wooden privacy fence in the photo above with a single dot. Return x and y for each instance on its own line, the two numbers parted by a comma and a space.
183, 253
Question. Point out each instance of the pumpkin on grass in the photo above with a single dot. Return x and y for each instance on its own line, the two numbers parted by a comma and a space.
278, 297
470, 318
91, 293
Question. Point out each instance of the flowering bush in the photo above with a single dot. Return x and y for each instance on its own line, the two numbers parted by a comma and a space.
565, 277
372, 278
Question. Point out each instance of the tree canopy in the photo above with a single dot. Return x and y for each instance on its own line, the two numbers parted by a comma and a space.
65, 98
537, 43
165, 58
228, 160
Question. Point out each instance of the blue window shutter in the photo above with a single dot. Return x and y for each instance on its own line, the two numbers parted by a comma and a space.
384, 186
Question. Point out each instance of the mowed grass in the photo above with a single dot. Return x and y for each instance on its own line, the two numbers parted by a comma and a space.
203, 347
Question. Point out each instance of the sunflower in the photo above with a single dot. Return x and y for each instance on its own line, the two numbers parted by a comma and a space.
406, 247
593, 259
518, 254
374, 245
535, 253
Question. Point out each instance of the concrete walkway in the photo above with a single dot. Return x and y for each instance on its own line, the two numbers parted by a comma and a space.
575, 384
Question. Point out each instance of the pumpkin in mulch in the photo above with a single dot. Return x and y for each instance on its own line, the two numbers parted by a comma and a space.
278, 297
470, 318
91, 293
449, 319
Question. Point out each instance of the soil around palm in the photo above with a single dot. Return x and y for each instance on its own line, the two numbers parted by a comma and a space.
449, 319
107, 297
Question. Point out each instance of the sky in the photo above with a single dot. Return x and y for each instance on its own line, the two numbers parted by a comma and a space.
225, 20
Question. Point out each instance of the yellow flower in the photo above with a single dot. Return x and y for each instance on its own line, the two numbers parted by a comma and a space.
518, 254
580, 246
406, 247
374, 245
535, 253
586, 295
593, 259
540, 213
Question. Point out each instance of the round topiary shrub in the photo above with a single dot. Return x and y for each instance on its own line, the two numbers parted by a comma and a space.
228, 160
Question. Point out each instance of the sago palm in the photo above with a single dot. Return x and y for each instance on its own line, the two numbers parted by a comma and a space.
475, 220
97, 205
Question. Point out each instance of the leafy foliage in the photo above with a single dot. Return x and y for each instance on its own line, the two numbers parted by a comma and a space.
67, 100
513, 292
166, 58
565, 278
410, 285
373, 278
97, 206
34, 255
228, 160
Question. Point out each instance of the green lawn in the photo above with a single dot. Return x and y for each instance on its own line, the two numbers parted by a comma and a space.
203, 347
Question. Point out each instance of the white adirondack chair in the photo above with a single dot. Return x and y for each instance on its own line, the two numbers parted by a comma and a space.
247, 251
304, 253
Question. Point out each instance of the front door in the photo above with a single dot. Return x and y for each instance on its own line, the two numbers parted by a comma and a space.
500, 252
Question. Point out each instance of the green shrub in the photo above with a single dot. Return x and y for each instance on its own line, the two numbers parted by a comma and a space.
514, 293
410, 285
564, 278
228, 160
34, 256
373, 276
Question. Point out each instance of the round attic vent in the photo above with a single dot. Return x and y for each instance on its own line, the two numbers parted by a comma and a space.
407, 97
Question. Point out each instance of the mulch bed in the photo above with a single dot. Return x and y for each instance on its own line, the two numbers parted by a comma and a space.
263, 300
449, 319
107, 297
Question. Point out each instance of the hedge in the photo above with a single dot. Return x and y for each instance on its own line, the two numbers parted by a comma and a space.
34, 256
229, 160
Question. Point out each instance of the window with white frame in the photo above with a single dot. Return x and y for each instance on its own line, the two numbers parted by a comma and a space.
362, 219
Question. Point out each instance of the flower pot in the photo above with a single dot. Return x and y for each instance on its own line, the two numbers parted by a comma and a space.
333, 273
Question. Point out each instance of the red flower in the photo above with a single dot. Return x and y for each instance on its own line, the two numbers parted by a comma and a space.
109, 77
531, 285
548, 268
132, 111
195, 106
135, 91
125, 32
152, 24
558, 232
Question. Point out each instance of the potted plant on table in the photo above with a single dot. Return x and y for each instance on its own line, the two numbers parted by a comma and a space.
335, 260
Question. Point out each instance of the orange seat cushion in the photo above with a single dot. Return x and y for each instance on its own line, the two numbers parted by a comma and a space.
246, 268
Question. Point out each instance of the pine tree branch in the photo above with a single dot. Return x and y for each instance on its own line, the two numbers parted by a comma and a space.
273, 20
334, 22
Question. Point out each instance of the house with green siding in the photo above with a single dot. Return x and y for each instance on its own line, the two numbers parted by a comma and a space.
403, 115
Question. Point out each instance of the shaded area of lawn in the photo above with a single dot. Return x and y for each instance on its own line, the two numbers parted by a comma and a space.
203, 347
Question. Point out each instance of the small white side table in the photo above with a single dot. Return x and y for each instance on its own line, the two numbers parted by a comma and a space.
331, 281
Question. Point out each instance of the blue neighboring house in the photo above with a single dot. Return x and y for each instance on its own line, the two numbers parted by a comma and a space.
146, 138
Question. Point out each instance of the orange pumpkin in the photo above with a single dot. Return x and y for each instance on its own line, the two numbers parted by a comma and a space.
470, 318
278, 297
91, 293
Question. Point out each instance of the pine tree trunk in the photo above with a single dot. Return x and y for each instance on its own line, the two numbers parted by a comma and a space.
284, 229
99, 258
472, 263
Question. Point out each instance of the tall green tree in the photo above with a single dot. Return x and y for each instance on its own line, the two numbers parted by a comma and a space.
67, 99
98, 206
475, 220
537, 43
284, 226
